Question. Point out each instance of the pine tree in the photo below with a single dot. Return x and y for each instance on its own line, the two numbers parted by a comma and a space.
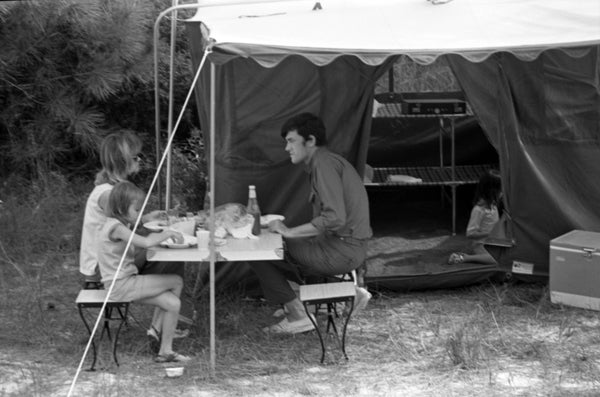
70, 71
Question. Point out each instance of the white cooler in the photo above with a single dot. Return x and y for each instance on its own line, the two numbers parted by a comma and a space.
575, 269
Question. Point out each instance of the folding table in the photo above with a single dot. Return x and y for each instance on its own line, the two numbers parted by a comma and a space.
268, 246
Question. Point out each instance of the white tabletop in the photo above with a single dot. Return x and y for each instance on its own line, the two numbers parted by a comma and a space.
268, 246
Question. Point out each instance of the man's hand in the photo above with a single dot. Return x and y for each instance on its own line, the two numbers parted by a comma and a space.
305, 230
278, 226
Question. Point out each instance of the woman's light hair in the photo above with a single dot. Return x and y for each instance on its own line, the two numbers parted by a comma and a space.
117, 154
122, 196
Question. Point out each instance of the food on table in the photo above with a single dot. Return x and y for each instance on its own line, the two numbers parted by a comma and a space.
230, 218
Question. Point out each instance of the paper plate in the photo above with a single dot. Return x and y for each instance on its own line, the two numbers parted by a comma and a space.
265, 219
156, 226
188, 241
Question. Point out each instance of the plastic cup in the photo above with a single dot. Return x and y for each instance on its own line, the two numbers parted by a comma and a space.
202, 236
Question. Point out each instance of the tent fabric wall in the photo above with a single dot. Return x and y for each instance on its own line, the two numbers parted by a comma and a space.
253, 102
544, 118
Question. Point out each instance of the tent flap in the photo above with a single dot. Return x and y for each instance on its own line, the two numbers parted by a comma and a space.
544, 117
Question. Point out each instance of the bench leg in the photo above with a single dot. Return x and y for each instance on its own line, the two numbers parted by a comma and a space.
107, 318
331, 312
80, 307
351, 300
314, 321
123, 320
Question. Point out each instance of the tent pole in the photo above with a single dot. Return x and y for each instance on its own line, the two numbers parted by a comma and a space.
211, 173
453, 165
170, 114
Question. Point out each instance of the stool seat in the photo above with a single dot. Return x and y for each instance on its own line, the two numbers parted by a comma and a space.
315, 293
329, 294
90, 297
94, 298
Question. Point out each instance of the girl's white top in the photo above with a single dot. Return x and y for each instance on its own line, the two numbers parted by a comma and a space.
110, 252
482, 220
93, 220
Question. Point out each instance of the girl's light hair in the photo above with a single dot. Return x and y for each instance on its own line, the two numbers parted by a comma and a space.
122, 196
116, 155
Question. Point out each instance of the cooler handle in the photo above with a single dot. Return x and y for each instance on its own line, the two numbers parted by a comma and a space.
588, 252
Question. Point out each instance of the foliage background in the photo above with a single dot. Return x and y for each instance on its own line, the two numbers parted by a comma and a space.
73, 71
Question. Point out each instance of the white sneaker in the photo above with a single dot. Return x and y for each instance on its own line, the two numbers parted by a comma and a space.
291, 327
360, 301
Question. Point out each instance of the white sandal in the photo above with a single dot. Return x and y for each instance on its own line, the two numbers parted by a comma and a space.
456, 258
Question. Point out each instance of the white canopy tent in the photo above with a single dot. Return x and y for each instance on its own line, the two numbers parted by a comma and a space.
377, 29
321, 32
270, 33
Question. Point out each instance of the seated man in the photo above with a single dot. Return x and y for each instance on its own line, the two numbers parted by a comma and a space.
334, 241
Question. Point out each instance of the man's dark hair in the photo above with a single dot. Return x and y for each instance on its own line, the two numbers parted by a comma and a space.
306, 124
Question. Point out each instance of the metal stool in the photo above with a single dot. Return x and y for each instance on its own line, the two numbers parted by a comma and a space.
94, 298
329, 294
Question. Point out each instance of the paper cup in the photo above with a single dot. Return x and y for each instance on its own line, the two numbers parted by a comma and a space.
202, 236
174, 372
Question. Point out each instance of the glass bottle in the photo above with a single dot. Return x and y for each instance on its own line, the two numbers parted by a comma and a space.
206, 204
253, 209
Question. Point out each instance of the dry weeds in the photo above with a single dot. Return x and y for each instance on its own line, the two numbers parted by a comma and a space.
504, 339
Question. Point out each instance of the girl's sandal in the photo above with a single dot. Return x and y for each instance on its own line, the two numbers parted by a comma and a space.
171, 358
456, 258
154, 337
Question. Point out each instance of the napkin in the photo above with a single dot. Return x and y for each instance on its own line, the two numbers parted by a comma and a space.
404, 179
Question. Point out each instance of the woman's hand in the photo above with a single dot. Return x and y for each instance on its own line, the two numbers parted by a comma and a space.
157, 215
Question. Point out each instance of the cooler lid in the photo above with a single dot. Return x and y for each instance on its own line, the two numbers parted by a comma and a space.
577, 239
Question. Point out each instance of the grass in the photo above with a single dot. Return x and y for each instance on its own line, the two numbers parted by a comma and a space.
488, 339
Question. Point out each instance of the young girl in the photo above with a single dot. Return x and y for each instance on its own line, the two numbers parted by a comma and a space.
484, 216
160, 290
120, 158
